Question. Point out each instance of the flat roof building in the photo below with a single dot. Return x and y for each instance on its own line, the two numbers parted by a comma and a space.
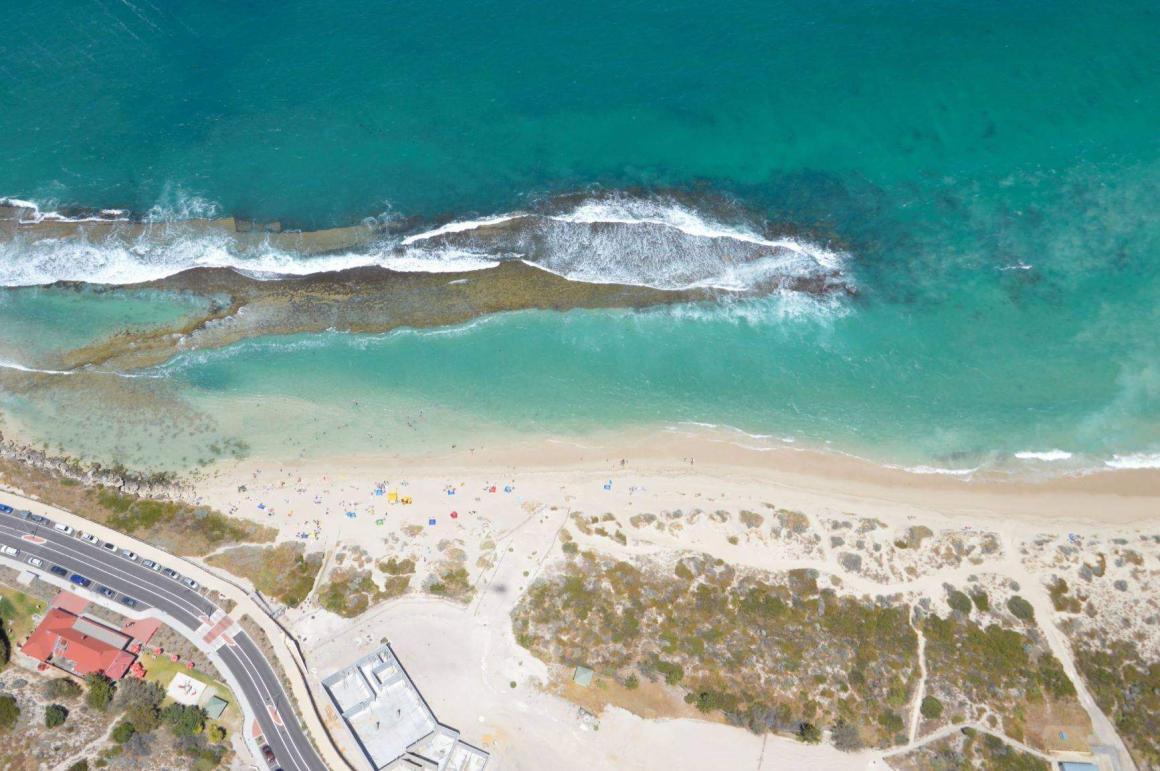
390, 722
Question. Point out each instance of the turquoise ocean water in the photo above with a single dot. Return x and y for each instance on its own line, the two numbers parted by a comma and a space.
987, 174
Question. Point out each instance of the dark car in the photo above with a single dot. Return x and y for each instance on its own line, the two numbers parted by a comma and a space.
4, 507
169, 572
80, 580
35, 518
268, 754
59, 570
106, 591
129, 601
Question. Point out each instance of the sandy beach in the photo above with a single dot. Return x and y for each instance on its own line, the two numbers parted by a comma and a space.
499, 513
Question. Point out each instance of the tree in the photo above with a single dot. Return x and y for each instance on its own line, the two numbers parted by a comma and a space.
931, 708
184, 720
9, 711
140, 700
62, 688
809, 733
217, 733
100, 692
5, 647
80, 765
123, 732
54, 715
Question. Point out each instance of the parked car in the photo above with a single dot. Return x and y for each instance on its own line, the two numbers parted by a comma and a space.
191, 583
109, 546
4, 507
106, 591
11, 551
129, 555
35, 518
58, 570
268, 754
90, 538
128, 601
169, 573
62, 527
36, 562
149, 564
80, 580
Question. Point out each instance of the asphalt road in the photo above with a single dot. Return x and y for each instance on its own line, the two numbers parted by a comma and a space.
260, 685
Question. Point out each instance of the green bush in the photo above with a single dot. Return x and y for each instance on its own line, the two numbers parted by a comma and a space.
9, 711
632, 682
54, 715
981, 600
62, 688
80, 765
931, 708
100, 692
809, 733
217, 733
673, 673
959, 601
123, 732
1021, 608
184, 720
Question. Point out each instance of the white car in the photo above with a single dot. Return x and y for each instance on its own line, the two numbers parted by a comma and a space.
11, 551
62, 527
129, 555
90, 538
36, 562
191, 583
109, 546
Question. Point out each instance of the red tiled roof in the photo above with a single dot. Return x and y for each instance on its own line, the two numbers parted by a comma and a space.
56, 641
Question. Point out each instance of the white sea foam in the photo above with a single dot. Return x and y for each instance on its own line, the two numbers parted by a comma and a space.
923, 469
36, 215
609, 240
1045, 455
6, 364
1138, 460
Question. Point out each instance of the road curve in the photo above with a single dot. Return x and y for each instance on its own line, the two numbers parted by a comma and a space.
261, 688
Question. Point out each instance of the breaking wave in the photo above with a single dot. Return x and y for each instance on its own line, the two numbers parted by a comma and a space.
609, 239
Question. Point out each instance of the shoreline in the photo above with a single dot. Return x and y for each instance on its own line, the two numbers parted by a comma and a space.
1120, 497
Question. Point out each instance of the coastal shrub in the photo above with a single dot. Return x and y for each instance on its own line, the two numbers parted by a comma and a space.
846, 737
9, 711
217, 733
184, 720
809, 733
1020, 608
673, 673
54, 715
931, 708
959, 601
80, 765
981, 600
5, 647
140, 702
61, 688
123, 732
632, 682
100, 692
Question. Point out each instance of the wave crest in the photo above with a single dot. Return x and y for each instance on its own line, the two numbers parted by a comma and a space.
608, 239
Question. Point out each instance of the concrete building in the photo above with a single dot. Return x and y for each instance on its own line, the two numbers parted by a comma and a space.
391, 724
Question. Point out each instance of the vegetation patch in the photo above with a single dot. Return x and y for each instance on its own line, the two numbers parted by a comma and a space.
770, 652
178, 528
285, 572
968, 749
1127, 688
975, 670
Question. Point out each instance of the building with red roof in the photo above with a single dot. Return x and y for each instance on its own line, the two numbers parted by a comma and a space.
79, 645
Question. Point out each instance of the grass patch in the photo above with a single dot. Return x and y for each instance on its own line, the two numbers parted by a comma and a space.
284, 572
17, 609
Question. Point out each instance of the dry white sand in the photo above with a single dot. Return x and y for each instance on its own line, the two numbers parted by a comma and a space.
465, 658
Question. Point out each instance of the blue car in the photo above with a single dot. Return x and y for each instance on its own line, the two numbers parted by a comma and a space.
58, 570
106, 591
4, 507
80, 580
128, 601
